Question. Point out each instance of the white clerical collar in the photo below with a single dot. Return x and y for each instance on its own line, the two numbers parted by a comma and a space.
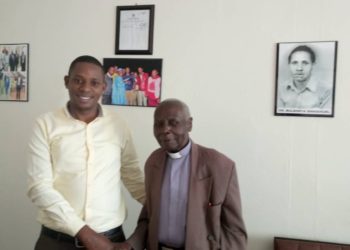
176, 155
181, 153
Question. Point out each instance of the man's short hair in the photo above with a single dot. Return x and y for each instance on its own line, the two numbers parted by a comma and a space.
86, 59
176, 102
304, 48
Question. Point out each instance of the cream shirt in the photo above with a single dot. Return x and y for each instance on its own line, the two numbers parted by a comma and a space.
75, 171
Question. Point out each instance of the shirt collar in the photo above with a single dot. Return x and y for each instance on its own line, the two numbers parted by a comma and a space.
99, 114
311, 86
183, 152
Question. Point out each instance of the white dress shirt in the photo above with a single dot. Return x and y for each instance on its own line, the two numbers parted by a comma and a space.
75, 171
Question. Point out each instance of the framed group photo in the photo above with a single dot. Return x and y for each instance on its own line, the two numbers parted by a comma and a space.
132, 82
14, 72
134, 29
305, 78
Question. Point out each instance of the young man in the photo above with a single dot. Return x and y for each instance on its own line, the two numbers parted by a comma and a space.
141, 87
78, 156
193, 200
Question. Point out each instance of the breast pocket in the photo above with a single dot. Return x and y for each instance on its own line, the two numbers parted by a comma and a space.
107, 154
68, 153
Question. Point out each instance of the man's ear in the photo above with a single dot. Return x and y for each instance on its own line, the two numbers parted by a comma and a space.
66, 80
189, 124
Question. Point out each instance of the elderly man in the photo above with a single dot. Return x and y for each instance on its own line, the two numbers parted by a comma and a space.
193, 200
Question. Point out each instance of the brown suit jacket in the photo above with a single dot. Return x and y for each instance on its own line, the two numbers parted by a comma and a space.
214, 218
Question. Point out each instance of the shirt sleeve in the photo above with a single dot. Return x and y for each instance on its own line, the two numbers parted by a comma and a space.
131, 174
52, 205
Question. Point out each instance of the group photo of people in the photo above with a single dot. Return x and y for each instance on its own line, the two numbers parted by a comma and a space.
132, 82
13, 72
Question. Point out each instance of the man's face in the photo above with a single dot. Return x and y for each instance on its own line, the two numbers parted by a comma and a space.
171, 127
85, 85
111, 70
300, 66
121, 72
154, 73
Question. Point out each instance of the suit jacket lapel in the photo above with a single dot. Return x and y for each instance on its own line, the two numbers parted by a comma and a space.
156, 180
199, 191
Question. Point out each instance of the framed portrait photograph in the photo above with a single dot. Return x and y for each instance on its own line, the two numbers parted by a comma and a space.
132, 82
305, 78
134, 29
14, 72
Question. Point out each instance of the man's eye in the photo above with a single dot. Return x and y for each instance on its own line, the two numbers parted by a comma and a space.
173, 122
158, 124
77, 80
95, 83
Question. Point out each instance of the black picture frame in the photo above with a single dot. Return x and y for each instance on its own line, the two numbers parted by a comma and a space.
134, 30
305, 78
14, 72
140, 89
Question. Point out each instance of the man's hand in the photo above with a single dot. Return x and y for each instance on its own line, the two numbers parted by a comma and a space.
122, 246
94, 241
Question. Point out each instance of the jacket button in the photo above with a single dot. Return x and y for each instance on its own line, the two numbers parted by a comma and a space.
210, 237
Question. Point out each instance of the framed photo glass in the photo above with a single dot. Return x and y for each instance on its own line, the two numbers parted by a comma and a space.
134, 29
14, 72
132, 82
305, 78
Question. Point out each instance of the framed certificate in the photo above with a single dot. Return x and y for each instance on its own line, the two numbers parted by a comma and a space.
134, 29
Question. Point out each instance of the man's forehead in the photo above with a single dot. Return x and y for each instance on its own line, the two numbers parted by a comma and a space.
83, 68
168, 117
300, 54
169, 108
169, 113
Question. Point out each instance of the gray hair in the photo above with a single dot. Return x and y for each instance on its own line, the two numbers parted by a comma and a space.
176, 102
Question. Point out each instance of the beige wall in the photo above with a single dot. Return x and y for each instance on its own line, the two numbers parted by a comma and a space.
219, 57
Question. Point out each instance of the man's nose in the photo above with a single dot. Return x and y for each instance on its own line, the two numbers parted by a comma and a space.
85, 86
165, 128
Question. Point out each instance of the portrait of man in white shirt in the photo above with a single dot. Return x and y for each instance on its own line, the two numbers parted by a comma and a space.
305, 79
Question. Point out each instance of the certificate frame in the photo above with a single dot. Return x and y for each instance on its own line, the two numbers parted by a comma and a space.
305, 90
134, 30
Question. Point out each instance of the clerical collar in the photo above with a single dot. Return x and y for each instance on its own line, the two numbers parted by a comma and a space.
182, 152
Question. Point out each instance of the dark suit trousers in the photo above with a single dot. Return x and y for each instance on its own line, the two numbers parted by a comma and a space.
47, 243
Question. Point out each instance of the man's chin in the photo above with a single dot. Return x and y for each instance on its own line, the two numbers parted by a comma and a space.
169, 147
